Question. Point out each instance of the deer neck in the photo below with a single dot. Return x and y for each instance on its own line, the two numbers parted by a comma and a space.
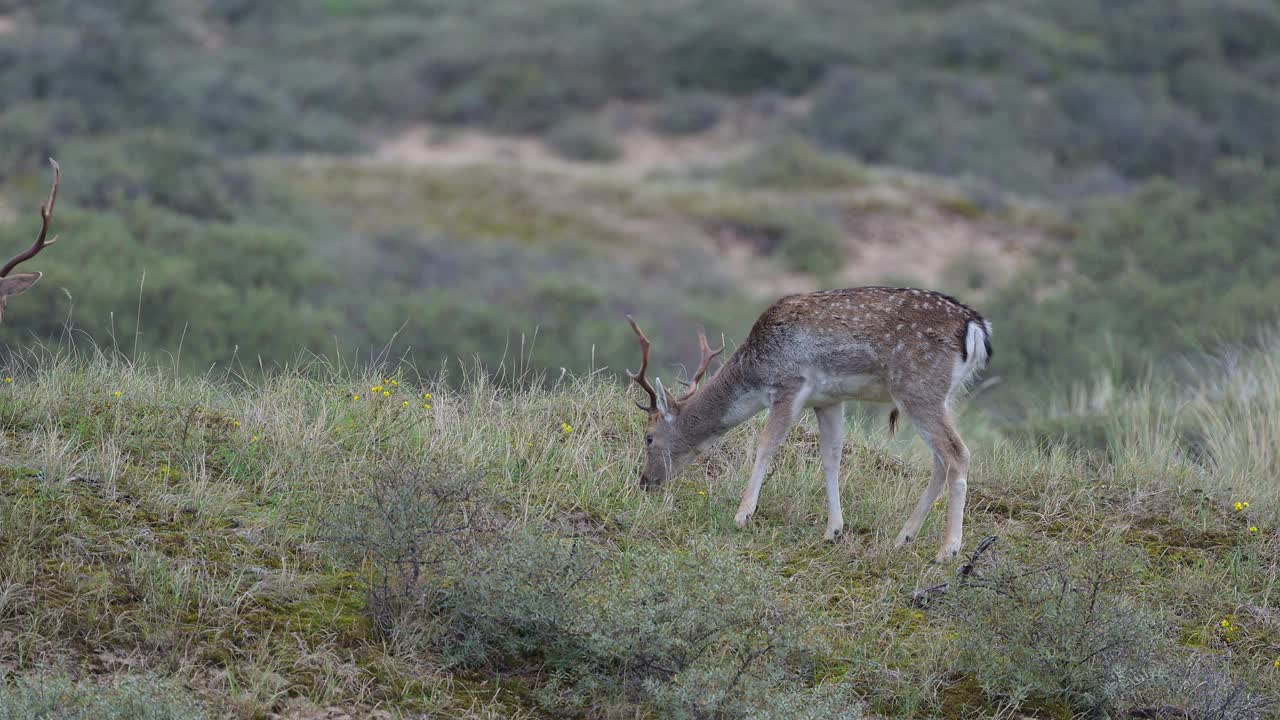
721, 403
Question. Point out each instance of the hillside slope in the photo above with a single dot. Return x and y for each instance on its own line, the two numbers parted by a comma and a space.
376, 545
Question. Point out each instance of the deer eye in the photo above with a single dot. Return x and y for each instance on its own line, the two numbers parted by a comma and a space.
648, 440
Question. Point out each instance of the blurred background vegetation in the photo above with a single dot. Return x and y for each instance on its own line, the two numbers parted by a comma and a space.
435, 179
250, 185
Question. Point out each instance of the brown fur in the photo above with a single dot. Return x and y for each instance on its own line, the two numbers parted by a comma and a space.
900, 345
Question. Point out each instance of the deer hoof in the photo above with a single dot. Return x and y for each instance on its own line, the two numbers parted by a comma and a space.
742, 518
833, 533
903, 539
950, 551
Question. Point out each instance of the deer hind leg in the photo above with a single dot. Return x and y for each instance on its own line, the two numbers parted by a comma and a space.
911, 530
831, 441
783, 413
950, 468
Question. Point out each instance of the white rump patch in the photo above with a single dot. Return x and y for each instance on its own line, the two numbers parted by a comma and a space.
976, 337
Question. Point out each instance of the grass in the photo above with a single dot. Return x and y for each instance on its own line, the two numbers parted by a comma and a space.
475, 202
193, 530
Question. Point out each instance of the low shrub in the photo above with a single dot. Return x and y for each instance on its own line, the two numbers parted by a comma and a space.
1060, 632
688, 634
401, 528
517, 598
583, 140
793, 163
804, 241
128, 698
860, 112
699, 635
688, 114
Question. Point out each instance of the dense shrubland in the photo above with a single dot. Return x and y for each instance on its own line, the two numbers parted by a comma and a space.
1172, 277
158, 111
1034, 95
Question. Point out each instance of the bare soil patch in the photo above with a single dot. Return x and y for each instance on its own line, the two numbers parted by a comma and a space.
922, 243
644, 153
904, 228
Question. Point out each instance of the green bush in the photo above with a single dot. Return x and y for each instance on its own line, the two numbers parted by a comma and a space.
1060, 633
1164, 275
793, 163
30, 132
698, 635
804, 241
516, 599
688, 114
407, 521
584, 140
208, 289
173, 171
128, 698
861, 113
692, 635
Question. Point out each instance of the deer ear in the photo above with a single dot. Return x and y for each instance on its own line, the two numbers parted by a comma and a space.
17, 283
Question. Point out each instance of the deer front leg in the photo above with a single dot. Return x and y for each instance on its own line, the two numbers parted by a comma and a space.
782, 415
831, 442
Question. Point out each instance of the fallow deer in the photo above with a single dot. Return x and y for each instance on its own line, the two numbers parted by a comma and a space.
913, 348
11, 285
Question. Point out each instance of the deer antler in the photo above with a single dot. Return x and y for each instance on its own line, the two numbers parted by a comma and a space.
46, 212
644, 365
707, 356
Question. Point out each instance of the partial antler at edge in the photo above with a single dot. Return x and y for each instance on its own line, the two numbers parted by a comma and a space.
46, 212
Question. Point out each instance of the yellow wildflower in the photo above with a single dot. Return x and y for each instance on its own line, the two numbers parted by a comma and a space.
394, 383
376, 388
8, 381
426, 406
254, 440
1239, 506
236, 423
702, 492
404, 404
1226, 622
117, 393
355, 397
1253, 529
1276, 664
386, 393
426, 396
1245, 503
566, 427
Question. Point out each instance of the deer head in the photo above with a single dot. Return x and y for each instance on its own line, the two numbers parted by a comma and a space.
11, 285
668, 449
